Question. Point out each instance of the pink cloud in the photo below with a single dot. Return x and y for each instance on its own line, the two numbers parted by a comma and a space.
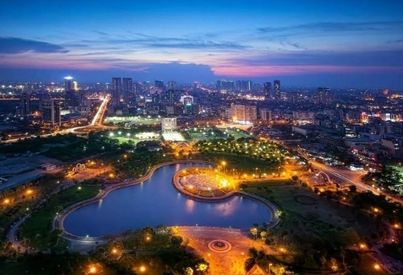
267, 70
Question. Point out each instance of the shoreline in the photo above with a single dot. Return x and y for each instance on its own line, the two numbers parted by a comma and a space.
58, 221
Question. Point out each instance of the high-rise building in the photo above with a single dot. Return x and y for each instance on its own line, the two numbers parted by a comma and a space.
277, 89
171, 85
265, 115
243, 85
244, 114
127, 87
68, 83
267, 90
75, 86
168, 124
323, 96
71, 95
51, 112
225, 85
116, 90
25, 104
159, 84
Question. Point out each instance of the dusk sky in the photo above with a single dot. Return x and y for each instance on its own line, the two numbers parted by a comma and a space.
303, 43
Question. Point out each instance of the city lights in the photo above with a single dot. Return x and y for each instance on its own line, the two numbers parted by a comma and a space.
161, 137
142, 268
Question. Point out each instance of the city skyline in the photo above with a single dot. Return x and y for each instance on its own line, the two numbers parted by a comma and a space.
304, 44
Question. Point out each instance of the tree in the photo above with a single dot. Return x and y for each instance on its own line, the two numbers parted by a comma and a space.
263, 234
352, 188
254, 231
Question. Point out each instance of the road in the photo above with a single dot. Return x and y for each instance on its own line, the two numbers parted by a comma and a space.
96, 122
352, 177
347, 176
100, 114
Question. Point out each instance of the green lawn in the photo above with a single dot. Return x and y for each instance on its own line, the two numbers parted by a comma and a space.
43, 264
241, 163
130, 140
312, 226
36, 229
236, 133
22, 202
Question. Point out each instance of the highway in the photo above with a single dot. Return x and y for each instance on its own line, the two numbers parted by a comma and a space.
100, 114
353, 178
345, 175
96, 122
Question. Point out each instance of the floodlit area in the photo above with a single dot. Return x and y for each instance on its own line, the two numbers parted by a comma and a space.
173, 136
133, 120
241, 126
134, 138
206, 133
205, 182
147, 135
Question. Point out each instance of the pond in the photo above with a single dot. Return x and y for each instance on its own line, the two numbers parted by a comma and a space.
156, 202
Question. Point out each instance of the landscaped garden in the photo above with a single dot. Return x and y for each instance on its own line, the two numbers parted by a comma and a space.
244, 155
37, 232
317, 232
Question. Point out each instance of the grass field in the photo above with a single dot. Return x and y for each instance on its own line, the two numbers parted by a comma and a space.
312, 225
134, 120
36, 229
236, 133
240, 163
208, 133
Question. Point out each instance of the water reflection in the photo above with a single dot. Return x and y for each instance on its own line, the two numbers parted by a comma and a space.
157, 202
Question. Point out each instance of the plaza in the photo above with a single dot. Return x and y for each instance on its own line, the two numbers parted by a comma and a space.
205, 182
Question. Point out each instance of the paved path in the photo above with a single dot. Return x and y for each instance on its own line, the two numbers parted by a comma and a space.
228, 262
12, 236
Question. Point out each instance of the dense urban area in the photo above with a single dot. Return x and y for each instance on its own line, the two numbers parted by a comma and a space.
232, 177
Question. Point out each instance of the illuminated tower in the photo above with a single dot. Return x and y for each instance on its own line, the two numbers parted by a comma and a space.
267, 90
127, 87
116, 90
68, 83
277, 89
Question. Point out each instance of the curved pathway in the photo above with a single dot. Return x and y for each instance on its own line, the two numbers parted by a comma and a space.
59, 220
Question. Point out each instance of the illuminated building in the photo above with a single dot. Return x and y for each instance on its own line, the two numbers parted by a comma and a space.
127, 87
168, 124
51, 112
68, 83
243, 85
25, 104
225, 85
244, 114
323, 96
75, 86
277, 89
267, 90
265, 115
116, 90
70, 92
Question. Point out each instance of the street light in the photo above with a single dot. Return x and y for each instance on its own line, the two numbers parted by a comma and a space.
92, 269
142, 269
363, 246
114, 251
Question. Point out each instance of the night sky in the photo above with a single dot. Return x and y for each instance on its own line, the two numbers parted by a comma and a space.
303, 43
